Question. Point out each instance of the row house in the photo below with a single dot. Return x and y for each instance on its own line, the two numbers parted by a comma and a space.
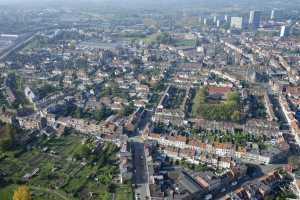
218, 91
222, 150
289, 115
208, 181
166, 116
256, 189
81, 125
10, 95
186, 79
29, 122
172, 152
134, 120
269, 108
256, 127
6, 116
225, 76
112, 126
293, 91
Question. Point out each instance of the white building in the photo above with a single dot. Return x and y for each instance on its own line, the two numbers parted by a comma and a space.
283, 31
29, 94
236, 22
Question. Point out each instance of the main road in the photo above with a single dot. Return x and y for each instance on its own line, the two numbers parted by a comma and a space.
140, 171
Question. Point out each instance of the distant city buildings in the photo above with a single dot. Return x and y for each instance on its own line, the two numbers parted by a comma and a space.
272, 14
236, 22
284, 31
254, 19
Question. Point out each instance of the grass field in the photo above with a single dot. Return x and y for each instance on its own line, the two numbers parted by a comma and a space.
185, 43
124, 192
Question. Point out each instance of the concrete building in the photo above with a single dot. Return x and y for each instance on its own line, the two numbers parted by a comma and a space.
236, 22
284, 31
254, 19
272, 14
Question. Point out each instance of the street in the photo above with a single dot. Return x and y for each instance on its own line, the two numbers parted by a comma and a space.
140, 176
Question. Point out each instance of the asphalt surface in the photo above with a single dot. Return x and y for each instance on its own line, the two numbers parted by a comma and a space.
139, 163
140, 176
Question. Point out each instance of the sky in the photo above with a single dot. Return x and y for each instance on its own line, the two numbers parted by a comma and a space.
154, 3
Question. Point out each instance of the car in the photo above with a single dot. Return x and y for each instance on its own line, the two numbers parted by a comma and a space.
208, 197
137, 196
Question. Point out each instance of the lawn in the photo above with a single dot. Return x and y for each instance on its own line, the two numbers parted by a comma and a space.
185, 43
124, 193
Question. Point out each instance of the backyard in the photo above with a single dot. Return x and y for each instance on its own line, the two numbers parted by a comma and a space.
175, 98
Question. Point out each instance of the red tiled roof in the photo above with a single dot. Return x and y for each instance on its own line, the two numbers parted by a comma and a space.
218, 89
295, 91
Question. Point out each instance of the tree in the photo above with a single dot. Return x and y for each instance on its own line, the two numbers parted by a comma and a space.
164, 38
127, 110
8, 139
100, 114
22, 193
112, 188
236, 116
82, 151
3, 109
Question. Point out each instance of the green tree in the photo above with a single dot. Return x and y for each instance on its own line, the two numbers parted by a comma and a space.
112, 188
164, 38
236, 116
127, 110
82, 151
103, 113
8, 137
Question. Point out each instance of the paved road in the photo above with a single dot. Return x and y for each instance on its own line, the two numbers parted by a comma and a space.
139, 163
140, 176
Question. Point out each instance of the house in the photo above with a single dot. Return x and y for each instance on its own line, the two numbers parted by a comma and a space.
134, 120
10, 96
29, 94
293, 91
6, 116
257, 189
208, 181
29, 122
218, 91
222, 153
